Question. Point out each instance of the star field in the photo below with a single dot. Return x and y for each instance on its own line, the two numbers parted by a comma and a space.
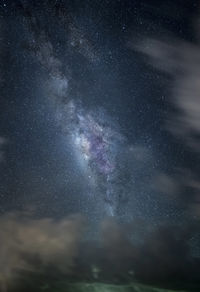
92, 120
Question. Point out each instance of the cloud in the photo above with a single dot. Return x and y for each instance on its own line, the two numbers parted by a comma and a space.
119, 253
140, 153
167, 249
182, 188
47, 241
181, 61
166, 185
121, 258
40, 246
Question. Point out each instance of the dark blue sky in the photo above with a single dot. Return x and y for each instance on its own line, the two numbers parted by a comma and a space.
53, 52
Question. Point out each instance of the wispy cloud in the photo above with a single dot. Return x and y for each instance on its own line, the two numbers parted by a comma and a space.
181, 60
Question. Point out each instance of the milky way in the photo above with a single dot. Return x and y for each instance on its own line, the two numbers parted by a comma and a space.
96, 142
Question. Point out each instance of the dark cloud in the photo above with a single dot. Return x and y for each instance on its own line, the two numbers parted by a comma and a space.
41, 246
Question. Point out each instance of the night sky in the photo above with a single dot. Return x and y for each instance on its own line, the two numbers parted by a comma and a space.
100, 116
